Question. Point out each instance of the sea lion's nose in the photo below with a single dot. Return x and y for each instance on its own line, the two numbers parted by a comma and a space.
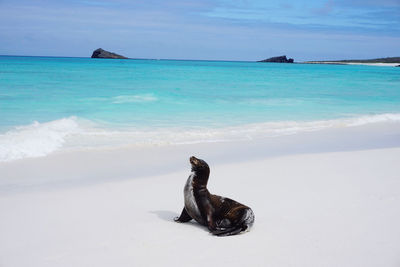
193, 159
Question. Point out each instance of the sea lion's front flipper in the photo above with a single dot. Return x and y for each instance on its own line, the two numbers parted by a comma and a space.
209, 211
185, 217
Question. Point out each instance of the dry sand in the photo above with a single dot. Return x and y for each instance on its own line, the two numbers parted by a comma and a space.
330, 198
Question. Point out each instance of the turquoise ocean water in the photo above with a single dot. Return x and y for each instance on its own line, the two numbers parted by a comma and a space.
48, 104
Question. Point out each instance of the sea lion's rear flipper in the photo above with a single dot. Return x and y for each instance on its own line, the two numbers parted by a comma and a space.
185, 217
246, 221
228, 231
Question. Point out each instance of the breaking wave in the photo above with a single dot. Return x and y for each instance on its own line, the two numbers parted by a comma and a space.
36, 139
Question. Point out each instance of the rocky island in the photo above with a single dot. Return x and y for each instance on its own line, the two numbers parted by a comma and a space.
280, 59
101, 53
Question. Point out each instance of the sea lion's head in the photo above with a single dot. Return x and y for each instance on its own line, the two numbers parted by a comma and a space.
200, 167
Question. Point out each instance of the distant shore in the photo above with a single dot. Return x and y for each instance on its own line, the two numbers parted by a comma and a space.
381, 64
386, 62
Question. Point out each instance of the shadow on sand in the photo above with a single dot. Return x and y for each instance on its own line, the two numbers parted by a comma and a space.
169, 216
165, 215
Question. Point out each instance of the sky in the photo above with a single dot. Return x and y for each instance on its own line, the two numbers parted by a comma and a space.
202, 29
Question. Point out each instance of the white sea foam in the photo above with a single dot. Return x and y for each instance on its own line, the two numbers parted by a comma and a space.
37, 139
122, 99
374, 118
40, 139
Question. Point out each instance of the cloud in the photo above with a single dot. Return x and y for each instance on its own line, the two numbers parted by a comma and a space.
369, 3
329, 15
326, 9
97, 3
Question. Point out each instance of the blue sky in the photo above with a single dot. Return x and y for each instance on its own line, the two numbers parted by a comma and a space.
208, 29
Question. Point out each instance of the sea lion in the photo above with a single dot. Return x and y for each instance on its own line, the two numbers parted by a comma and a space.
223, 216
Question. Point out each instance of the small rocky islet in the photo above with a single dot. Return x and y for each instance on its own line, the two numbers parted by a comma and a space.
101, 53
279, 59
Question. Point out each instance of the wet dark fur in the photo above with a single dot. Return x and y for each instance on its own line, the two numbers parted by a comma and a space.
222, 216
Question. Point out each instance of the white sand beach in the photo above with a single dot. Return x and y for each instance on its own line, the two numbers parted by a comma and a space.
327, 198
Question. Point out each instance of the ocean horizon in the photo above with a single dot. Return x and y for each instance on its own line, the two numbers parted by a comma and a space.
49, 104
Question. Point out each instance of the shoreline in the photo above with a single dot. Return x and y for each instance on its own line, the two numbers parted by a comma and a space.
91, 166
74, 134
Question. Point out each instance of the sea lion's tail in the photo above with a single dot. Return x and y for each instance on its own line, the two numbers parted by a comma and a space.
246, 221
